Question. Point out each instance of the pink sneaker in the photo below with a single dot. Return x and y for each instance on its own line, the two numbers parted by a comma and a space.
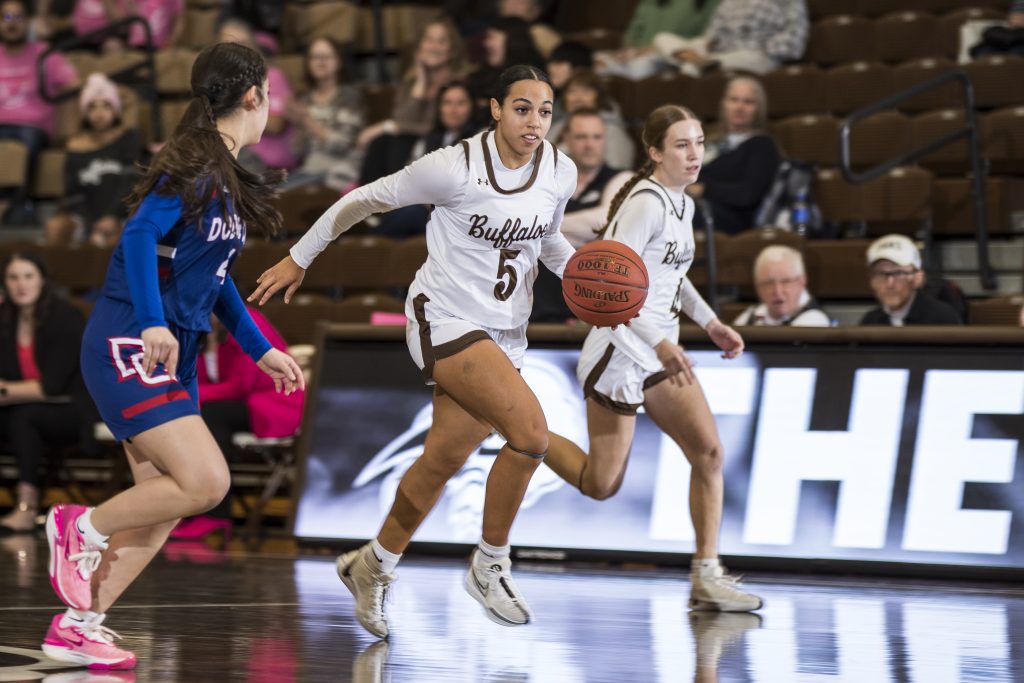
72, 561
88, 643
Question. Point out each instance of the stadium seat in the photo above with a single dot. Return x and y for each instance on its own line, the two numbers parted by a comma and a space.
1000, 310
813, 138
820, 9
706, 95
200, 28
998, 80
947, 29
666, 88
580, 15
797, 89
879, 138
840, 39
379, 99
698, 273
897, 202
623, 91
294, 69
597, 38
300, 207
905, 36
256, 257
171, 112
365, 263
1003, 139
852, 86
925, 128
911, 73
297, 320
359, 308
79, 268
837, 269
953, 207
174, 70
12, 170
735, 266
408, 256
49, 180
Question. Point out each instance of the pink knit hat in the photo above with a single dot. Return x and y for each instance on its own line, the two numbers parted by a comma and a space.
99, 87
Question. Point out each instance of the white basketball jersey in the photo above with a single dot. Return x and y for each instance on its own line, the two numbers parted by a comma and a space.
483, 251
668, 254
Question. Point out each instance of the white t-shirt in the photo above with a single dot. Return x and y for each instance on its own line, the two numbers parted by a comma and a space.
489, 226
657, 223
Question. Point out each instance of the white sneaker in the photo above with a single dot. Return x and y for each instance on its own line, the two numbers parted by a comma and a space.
492, 586
362, 575
718, 591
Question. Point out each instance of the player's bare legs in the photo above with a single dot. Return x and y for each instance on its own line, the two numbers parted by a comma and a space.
193, 478
681, 411
131, 550
452, 437
598, 474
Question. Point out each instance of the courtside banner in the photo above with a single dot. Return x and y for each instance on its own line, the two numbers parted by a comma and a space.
904, 454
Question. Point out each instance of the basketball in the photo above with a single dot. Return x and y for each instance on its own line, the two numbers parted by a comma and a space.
605, 283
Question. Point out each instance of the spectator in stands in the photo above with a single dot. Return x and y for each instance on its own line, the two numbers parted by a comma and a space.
455, 121
439, 59
545, 38
745, 35
639, 58
99, 169
781, 285
507, 41
236, 396
997, 37
894, 270
264, 16
585, 91
274, 149
741, 159
327, 119
587, 210
564, 62
166, 20
43, 402
24, 115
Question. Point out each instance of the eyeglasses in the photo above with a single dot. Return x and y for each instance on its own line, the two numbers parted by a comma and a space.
892, 275
12, 16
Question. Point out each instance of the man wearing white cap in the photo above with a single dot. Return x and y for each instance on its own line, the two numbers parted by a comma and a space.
894, 270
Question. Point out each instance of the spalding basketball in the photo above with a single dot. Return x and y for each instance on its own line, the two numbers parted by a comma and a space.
605, 283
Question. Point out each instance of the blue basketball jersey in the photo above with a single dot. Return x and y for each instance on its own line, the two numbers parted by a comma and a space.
190, 262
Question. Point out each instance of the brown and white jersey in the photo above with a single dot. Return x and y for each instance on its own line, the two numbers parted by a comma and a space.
489, 227
657, 223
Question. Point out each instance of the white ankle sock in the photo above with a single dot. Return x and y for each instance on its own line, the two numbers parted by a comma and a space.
388, 560
704, 565
89, 532
488, 553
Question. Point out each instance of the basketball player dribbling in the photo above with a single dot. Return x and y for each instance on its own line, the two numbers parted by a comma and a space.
498, 203
169, 271
642, 364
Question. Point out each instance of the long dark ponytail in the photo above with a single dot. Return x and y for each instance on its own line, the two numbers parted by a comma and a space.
197, 162
657, 125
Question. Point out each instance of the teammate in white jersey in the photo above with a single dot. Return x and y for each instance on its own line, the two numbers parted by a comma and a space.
498, 202
642, 364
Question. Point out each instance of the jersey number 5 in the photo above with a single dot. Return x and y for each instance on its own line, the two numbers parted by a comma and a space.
503, 290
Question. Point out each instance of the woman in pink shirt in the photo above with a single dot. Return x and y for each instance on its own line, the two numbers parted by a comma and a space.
165, 19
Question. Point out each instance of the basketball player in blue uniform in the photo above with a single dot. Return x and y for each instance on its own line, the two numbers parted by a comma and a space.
169, 272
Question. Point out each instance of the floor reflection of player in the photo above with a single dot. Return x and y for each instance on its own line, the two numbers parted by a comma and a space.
498, 202
622, 369
464, 492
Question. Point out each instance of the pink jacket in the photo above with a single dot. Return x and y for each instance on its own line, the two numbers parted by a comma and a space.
270, 414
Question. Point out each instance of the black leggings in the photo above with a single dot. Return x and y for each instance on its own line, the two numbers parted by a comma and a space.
31, 429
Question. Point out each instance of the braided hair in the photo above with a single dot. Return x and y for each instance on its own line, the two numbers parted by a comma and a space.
197, 160
657, 125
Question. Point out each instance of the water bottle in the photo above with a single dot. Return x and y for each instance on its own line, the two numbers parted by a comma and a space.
801, 214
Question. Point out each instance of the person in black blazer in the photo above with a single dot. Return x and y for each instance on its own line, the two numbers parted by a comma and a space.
43, 401
894, 268
741, 159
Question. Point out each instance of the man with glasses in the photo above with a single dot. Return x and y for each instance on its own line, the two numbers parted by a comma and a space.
781, 285
24, 115
894, 270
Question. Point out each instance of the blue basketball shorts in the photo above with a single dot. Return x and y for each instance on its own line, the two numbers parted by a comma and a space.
130, 401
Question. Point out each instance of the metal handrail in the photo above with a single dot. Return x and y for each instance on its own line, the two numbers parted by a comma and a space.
147, 65
710, 256
969, 131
